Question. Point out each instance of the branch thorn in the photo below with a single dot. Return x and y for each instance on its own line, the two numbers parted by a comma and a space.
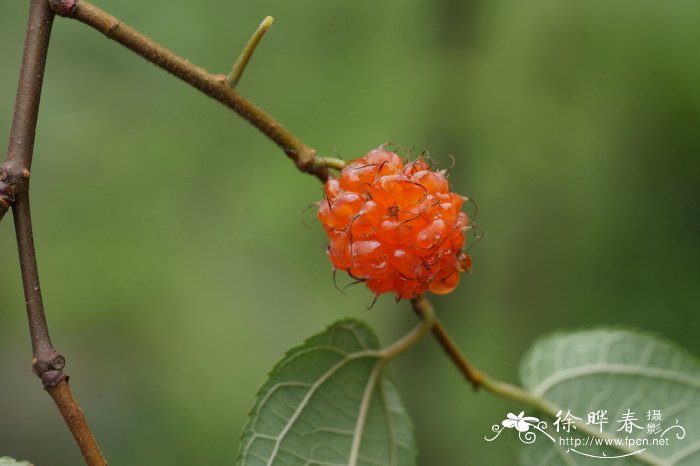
247, 52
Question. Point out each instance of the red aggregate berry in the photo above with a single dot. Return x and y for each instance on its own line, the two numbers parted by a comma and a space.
395, 225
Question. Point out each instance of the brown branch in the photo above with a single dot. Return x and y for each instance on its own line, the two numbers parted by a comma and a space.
75, 420
213, 85
47, 363
473, 375
14, 172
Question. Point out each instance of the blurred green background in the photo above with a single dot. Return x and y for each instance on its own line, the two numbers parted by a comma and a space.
175, 262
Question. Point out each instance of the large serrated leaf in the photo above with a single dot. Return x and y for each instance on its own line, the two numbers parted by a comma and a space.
622, 372
7, 461
328, 402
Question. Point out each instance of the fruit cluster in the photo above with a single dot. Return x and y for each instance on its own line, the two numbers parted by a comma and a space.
395, 226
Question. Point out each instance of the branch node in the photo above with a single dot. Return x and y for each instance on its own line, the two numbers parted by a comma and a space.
58, 363
49, 368
7, 195
51, 360
64, 7
113, 27
52, 378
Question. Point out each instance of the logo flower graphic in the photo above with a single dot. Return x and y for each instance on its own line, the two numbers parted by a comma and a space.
520, 422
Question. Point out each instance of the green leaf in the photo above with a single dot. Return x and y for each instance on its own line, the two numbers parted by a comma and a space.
7, 461
329, 402
622, 372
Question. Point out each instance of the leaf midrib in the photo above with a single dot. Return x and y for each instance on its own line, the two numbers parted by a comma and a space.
312, 390
608, 368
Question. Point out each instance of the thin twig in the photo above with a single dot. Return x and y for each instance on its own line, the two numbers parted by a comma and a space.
474, 376
75, 419
213, 85
47, 363
247, 52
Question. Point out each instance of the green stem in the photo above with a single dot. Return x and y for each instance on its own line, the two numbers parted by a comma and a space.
415, 335
331, 162
247, 52
515, 393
